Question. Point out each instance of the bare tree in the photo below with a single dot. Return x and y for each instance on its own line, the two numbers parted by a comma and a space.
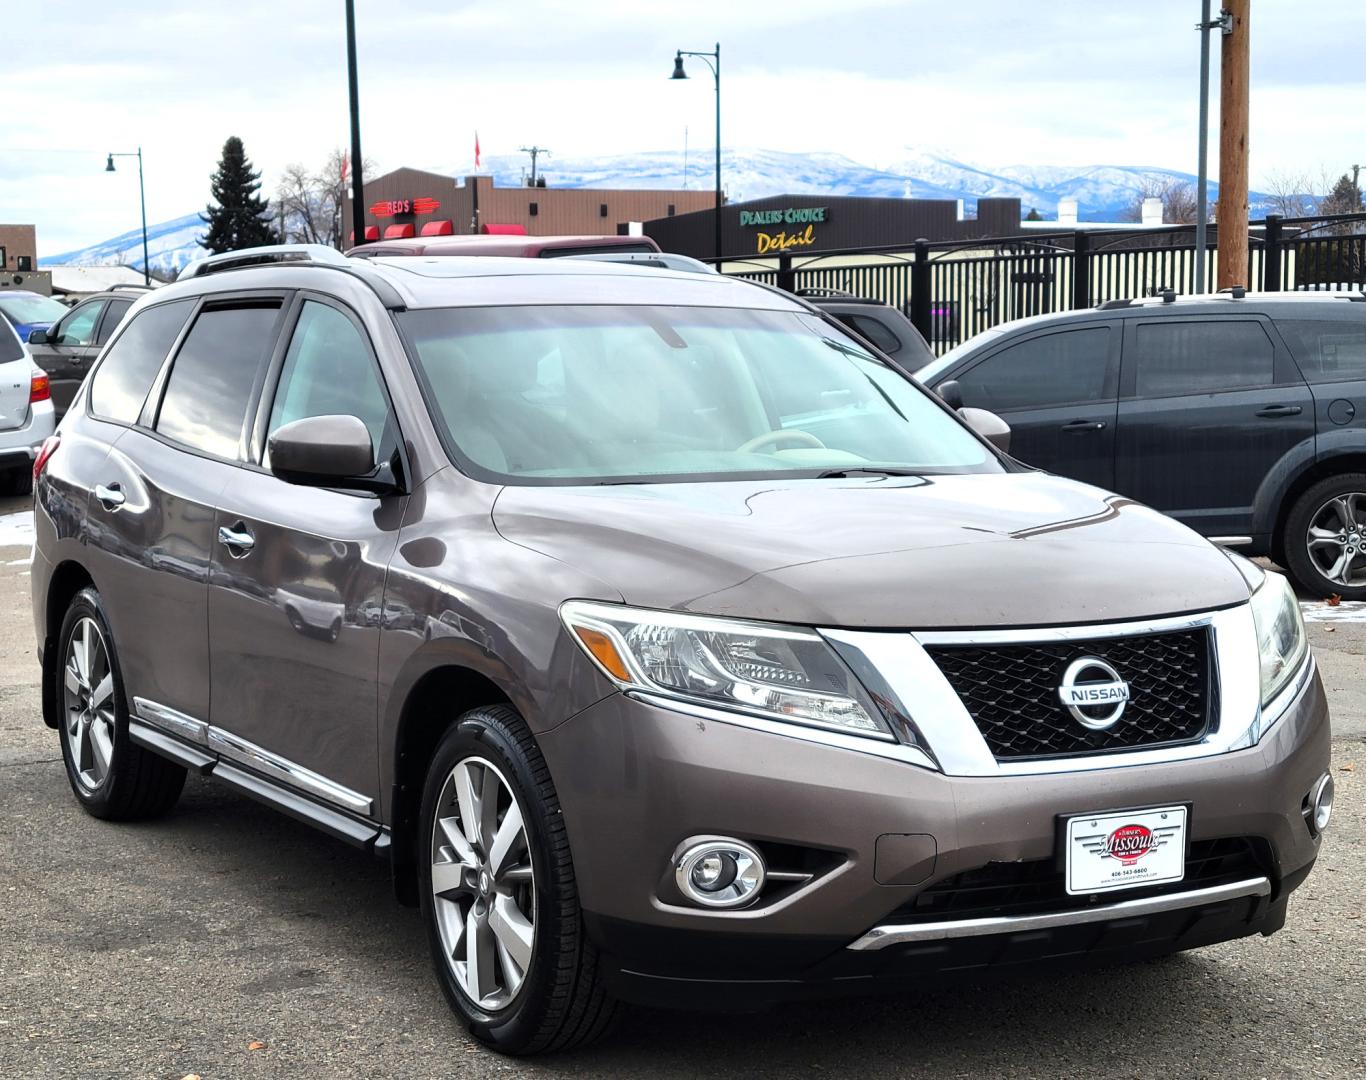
1290, 194
1178, 201
311, 202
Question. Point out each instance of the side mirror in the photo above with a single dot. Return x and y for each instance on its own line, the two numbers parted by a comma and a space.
40, 337
328, 451
951, 393
988, 425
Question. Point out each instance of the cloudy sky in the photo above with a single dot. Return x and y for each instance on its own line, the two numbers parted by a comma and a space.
993, 82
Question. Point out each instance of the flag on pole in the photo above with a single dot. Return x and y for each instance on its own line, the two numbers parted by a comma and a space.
345, 166
477, 163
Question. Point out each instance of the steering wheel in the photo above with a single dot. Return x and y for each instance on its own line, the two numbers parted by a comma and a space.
805, 438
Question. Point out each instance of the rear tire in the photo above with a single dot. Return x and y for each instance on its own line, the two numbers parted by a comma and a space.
16, 482
1324, 538
111, 776
556, 999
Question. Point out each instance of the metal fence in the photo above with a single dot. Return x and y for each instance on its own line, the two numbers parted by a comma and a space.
956, 289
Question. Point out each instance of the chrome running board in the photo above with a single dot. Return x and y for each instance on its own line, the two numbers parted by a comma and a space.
881, 936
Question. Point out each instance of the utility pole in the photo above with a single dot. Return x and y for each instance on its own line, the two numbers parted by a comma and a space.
1205, 25
357, 181
535, 152
1233, 126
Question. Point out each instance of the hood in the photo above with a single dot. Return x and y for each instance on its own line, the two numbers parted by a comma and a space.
23, 329
915, 552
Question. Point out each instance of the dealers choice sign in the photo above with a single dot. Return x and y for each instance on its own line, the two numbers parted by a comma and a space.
783, 230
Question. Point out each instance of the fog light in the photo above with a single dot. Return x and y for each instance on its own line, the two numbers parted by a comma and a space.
719, 873
1320, 804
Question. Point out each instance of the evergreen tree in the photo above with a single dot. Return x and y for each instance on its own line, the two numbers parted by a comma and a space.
1345, 198
1033, 214
240, 219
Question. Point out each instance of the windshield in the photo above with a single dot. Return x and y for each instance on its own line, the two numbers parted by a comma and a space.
624, 394
931, 371
22, 310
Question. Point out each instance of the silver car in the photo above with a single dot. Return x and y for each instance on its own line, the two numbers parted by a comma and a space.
26, 417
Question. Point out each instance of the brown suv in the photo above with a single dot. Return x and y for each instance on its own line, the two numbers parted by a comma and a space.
668, 644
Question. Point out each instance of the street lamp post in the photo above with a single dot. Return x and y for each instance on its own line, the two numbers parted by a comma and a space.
679, 73
142, 197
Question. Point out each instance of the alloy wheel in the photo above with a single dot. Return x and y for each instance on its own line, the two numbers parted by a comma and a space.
88, 691
1336, 539
483, 887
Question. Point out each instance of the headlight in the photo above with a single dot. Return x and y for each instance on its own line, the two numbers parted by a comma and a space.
1281, 641
771, 671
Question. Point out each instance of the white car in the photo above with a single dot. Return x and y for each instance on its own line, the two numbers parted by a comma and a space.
26, 416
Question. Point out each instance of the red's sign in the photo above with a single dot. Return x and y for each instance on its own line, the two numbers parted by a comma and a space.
395, 207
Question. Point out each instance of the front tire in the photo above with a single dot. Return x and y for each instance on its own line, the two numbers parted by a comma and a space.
498, 892
1324, 539
111, 776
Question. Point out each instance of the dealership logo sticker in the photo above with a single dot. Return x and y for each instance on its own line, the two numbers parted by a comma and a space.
1129, 843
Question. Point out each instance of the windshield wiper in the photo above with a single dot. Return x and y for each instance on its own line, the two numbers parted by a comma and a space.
870, 470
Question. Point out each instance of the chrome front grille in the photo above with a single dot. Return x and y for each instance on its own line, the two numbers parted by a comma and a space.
1011, 692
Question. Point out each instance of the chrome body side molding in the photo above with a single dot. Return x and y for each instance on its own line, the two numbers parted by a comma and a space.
881, 936
229, 746
170, 720
158, 721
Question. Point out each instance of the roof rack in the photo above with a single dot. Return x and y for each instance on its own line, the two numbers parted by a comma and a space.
813, 290
1111, 305
128, 285
264, 256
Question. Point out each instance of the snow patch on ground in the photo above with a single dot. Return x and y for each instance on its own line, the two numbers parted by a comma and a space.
1349, 611
16, 530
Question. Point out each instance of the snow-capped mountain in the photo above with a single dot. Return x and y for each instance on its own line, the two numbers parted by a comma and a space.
170, 245
1102, 192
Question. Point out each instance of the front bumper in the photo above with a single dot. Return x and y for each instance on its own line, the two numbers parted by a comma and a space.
636, 779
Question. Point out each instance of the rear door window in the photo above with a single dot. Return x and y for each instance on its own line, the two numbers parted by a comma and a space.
1063, 368
214, 375
1328, 350
113, 315
876, 331
120, 384
1189, 356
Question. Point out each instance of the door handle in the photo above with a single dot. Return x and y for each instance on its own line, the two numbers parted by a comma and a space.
238, 539
1074, 426
1280, 410
111, 496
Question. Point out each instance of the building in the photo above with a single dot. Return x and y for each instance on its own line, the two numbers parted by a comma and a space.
18, 248
811, 224
412, 202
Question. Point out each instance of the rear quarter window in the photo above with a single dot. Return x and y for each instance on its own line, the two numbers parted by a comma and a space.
121, 382
1328, 350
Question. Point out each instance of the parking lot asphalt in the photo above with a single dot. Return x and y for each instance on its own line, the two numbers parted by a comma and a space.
228, 941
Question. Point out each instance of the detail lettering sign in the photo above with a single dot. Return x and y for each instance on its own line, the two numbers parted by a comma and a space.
767, 242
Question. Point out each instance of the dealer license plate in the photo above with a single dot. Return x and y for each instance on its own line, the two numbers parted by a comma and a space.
1109, 851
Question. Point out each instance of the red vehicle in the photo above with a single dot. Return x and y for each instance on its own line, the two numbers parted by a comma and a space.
506, 244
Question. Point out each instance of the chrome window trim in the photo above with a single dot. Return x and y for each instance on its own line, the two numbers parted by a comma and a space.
953, 739
879, 937
235, 748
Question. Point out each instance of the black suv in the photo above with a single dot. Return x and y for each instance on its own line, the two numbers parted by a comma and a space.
68, 348
1242, 415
